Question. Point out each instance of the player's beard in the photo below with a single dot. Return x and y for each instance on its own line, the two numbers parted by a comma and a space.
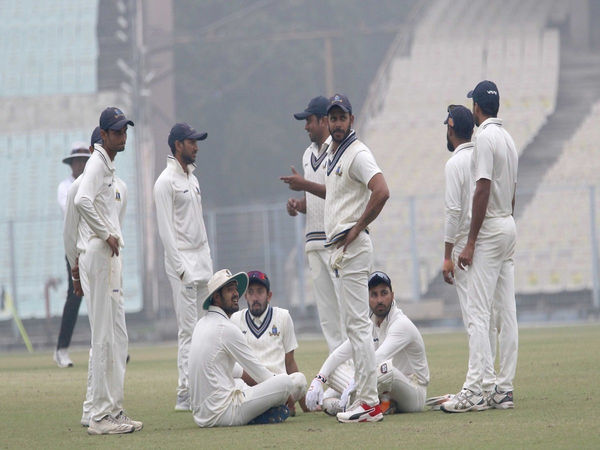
256, 309
449, 144
346, 133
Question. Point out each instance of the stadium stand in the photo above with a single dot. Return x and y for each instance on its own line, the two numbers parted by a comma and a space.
450, 52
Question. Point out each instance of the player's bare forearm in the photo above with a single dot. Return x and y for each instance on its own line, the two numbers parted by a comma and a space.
301, 206
379, 196
290, 363
246, 378
315, 189
448, 247
480, 202
513, 200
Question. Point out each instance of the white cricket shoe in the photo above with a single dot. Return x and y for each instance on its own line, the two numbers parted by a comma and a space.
332, 406
109, 425
361, 412
124, 418
435, 403
466, 400
500, 400
183, 402
61, 358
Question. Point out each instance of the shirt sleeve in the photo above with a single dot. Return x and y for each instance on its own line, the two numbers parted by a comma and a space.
452, 202
123, 210
61, 196
91, 183
398, 337
71, 226
363, 167
243, 354
484, 158
340, 355
163, 198
289, 338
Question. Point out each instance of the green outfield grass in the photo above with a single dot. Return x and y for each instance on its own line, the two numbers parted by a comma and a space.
557, 387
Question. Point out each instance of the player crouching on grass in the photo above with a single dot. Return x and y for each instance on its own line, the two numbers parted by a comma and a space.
220, 358
402, 369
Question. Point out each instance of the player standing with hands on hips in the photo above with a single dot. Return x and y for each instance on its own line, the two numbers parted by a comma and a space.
312, 204
97, 201
356, 192
488, 254
187, 256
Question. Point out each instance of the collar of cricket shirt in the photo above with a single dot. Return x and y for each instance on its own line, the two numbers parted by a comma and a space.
259, 325
172, 161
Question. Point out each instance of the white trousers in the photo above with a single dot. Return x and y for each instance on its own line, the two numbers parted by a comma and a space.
352, 269
407, 393
491, 287
326, 296
258, 399
461, 284
187, 302
101, 282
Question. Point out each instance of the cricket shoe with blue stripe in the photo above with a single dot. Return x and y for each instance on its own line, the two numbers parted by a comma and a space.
501, 400
361, 412
277, 414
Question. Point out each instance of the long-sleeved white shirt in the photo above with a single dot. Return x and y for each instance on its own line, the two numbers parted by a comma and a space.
180, 221
61, 193
458, 195
76, 232
97, 197
398, 339
217, 344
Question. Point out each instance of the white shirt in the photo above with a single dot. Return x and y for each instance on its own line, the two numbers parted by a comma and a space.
217, 344
61, 194
271, 335
180, 221
398, 339
349, 170
314, 162
76, 232
96, 199
495, 158
458, 195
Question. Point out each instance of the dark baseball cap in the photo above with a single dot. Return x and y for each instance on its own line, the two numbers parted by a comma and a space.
256, 276
113, 119
377, 278
340, 100
317, 106
461, 119
182, 131
485, 94
96, 138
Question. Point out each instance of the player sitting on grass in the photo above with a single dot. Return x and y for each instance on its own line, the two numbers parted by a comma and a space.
220, 356
402, 369
268, 330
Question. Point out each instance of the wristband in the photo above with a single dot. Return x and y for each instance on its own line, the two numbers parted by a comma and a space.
74, 279
321, 378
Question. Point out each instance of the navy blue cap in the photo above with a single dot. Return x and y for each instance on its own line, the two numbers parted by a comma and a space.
485, 94
182, 131
113, 119
96, 138
317, 106
256, 276
461, 119
377, 278
340, 100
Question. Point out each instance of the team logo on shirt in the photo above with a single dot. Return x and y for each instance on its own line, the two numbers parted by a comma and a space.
274, 331
338, 171
383, 368
117, 196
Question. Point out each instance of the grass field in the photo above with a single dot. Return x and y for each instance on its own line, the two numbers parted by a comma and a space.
557, 386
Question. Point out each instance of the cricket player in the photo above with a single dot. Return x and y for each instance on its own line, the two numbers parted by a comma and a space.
311, 204
187, 256
77, 160
488, 254
97, 201
401, 362
356, 193
220, 358
269, 330
459, 129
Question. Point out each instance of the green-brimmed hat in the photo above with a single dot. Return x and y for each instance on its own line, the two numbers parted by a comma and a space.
220, 279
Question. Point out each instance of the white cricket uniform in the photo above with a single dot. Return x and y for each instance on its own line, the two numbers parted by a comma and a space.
491, 276
218, 355
458, 220
349, 170
325, 285
396, 339
61, 193
98, 201
76, 233
183, 234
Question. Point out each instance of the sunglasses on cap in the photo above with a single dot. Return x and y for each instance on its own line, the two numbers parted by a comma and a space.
379, 276
450, 119
257, 274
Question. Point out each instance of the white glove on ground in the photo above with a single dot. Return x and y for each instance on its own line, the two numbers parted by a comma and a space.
346, 394
314, 395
